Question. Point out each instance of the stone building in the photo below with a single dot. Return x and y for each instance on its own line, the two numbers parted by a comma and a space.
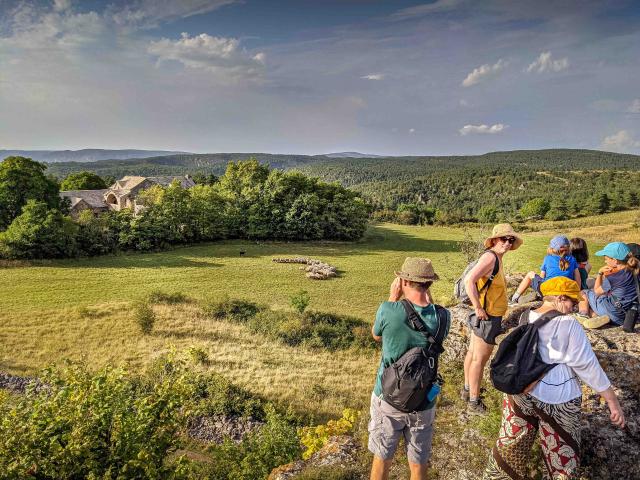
121, 194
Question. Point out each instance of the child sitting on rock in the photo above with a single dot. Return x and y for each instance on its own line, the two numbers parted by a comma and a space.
580, 252
557, 263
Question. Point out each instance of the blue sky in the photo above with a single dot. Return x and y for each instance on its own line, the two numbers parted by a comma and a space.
385, 77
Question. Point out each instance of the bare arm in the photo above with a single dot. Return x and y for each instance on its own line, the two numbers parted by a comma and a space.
599, 278
577, 277
616, 415
483, 268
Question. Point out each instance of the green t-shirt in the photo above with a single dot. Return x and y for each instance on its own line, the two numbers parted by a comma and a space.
398, 336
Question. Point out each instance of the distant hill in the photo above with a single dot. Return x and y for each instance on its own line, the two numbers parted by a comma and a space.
351, 155
84, 155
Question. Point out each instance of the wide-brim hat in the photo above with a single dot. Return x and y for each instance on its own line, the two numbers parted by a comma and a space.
418, 270
557, 286
504, 230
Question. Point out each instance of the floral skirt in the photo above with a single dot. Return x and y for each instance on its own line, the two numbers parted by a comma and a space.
523, 419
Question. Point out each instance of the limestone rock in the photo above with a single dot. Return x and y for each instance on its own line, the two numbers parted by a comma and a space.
216, 428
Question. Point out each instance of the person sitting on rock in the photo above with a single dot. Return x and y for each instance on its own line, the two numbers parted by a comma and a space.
614, 291
557, 263
580, 252
392, 327
550, 408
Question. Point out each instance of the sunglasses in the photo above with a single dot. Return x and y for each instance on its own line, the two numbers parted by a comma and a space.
511, 240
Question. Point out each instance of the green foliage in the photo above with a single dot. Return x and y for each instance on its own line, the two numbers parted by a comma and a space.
216, 395
488, 214
22, 179
300, 301
96, 235
158, 296
83, 181
535, 209
275, 444
314, 438
39, 232
144, 316
97, 426
236, 310
198, 355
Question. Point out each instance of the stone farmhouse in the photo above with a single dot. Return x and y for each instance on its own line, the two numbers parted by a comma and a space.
121, 194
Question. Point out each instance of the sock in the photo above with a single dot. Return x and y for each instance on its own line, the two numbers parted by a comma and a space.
466, 388
474, 400
515, 297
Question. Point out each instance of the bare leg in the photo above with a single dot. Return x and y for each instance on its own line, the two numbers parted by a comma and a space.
525, 283
467, 361
583, 305
481, 353
418, 471
380, 468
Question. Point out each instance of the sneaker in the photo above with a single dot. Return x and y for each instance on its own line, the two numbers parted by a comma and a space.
476, 408
596, 322
464, 395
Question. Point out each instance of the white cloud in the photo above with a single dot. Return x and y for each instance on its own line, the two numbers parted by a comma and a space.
483, 72
622, 141
483, 129
61, 5
214, 54
544, 63
412, 130
426, 9
373, 76
149, 13
635, 106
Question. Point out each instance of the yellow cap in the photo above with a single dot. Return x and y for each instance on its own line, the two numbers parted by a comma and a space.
561, 286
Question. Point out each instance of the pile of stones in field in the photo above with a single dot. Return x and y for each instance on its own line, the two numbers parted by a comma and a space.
316, 269
216, 428
17, 384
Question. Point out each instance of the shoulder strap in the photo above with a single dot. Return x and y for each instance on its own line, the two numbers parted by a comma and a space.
524, 317
494, 272
546, 318
417, 324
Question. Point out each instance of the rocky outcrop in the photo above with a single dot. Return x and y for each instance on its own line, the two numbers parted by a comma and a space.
17, 384
340, 450
216, 428
316, 269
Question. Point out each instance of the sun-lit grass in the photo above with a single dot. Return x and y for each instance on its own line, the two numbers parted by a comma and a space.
84, 308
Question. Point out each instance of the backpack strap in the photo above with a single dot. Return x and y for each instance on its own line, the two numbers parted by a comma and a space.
417, 324
546, 318
494, 272
524, 317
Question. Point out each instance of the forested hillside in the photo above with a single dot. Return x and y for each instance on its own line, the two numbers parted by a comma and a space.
556, 184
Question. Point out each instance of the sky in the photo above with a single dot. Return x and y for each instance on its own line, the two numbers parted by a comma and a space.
383, 77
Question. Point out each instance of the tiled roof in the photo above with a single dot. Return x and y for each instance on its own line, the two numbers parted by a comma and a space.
94, 198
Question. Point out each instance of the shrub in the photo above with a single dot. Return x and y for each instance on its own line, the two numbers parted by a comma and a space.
98, 425
314, 438
300, 301
158, 296
198, 355
236, 310
144, 316
216, 395
276, 443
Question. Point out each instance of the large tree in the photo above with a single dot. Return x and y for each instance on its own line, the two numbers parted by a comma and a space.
22, 179
83, 181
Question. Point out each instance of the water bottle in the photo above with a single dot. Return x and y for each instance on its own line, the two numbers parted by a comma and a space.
435, 390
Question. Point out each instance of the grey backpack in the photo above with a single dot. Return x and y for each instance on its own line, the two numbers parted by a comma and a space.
406, 382
459, 289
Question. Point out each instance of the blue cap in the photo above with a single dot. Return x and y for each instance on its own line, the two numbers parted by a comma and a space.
558, 242
617, 250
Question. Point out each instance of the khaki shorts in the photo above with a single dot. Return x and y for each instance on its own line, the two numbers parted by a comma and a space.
388, 424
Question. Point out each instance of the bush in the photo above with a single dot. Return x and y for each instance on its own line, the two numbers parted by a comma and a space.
98, 425
235, 310
314, 438
300, 301
275, 444
198, 355
144, 316
158, 296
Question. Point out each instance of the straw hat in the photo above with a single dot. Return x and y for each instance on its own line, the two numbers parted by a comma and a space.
417, 270
557, 286
504, 230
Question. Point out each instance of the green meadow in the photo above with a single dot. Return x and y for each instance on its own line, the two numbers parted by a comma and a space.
83, 309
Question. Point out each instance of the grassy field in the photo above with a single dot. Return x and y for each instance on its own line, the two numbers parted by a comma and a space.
83, 308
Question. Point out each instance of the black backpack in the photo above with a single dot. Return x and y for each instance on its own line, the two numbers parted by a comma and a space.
406, 382
459, 288
517, 363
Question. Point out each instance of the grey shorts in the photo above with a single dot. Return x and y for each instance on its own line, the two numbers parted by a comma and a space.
487, 330
388, 424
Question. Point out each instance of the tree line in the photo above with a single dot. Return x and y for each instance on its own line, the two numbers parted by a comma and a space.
250, 201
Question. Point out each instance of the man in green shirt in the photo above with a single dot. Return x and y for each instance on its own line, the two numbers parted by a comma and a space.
387, 424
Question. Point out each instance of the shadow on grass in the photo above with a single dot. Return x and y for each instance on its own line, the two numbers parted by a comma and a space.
377, 239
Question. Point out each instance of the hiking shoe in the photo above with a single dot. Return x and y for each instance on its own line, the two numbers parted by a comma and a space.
596, 322
476, 408
464, 395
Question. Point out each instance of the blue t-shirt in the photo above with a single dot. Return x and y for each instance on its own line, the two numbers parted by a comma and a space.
551, 267
398, 336
622, 287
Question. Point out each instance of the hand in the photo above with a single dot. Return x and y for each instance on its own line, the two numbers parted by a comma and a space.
616, 415
395, 291
481, 313
606, 269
